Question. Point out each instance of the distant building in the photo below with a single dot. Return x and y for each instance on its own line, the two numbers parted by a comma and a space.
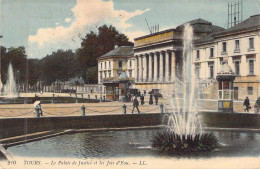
239, 46
158, 56
111, 66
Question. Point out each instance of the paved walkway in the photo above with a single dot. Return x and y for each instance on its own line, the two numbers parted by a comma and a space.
104, 108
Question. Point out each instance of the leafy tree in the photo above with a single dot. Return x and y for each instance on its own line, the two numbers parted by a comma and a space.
60, 65
16, 56
95, 45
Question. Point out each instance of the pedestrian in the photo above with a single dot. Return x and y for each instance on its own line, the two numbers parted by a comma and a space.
173, 95
135, 104
156, 98
257, 104
151, 99
247, 104
129, 97
144, 92
37, 105
142, 99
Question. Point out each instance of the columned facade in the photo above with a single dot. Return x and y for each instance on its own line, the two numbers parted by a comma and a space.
156, 67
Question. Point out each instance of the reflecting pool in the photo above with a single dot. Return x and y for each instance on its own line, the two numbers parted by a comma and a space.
134, 143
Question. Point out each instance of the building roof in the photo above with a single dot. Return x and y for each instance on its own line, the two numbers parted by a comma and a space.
120, 51
201, 25
205, 39
246, 24
253, 21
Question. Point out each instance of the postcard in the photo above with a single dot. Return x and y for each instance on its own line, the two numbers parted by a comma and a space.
129, 84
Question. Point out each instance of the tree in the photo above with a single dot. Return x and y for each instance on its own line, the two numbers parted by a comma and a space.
16, 56
95, 45
60, 65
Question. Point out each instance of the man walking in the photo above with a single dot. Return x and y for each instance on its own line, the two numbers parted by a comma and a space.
142, 99
247, 104
257, 104
135, 104
156, 98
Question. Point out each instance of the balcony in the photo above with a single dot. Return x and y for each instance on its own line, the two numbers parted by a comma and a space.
237, 50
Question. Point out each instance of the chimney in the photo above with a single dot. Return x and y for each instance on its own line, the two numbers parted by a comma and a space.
116, 46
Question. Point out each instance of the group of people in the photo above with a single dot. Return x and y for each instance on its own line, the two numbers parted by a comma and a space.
136, 102
247, 104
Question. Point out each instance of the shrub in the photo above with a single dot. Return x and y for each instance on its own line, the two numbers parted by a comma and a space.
168, 141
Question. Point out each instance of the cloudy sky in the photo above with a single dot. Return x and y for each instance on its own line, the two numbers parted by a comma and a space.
43, 26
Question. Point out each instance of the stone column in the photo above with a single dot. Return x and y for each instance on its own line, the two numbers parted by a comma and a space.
145, 68
150, 68
161, 66
140, 68
167, 57
155, 67
173, 66
136, 69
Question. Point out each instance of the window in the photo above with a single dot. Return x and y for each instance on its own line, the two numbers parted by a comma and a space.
101, 66
120, 64
237, 67
198, 54
211, 71
237, 46
109, 64
130, 73
105, 74
251, 67
105, 65
130, 64
251, 43
211, 52
109, 73
101, 76
224, 47
250, 90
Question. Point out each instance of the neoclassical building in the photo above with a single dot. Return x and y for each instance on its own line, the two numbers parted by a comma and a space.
158, 56
239, 46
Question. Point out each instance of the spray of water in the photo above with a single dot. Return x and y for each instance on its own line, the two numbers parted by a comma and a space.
184, 119
10, 86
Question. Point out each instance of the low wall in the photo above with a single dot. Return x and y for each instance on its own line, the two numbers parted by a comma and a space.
230, 120
21, 126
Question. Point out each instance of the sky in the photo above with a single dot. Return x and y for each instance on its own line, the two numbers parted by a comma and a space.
44, 26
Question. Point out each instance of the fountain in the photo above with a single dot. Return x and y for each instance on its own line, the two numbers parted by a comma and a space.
184, 131
10, 90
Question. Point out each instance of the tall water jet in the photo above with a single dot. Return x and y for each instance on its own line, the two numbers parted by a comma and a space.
185, 120
10, 86
183, 132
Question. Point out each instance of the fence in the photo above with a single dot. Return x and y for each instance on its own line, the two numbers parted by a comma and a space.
76, 111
